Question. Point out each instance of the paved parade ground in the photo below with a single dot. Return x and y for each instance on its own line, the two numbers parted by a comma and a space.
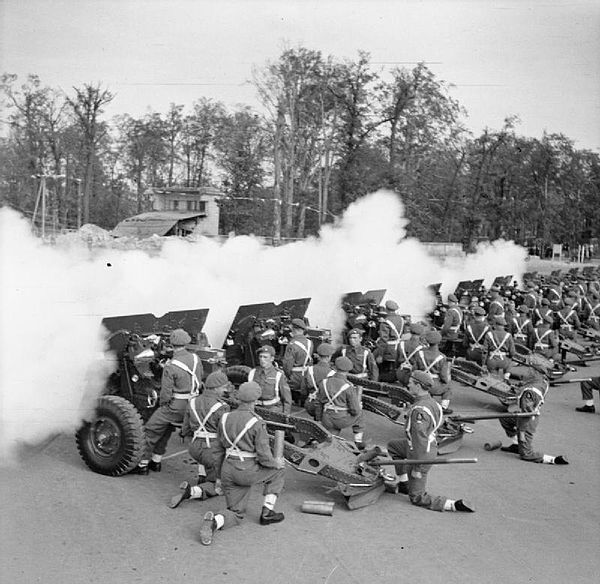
533, 522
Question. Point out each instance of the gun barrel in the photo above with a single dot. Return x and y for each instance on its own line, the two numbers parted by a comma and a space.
417, 461
566, 381
467, 418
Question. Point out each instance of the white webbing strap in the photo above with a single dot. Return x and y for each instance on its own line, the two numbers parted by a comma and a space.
202, 432
233, 449
538, 343
498, 352
436, 424
330, 399
307, 350
476, 344
192, 372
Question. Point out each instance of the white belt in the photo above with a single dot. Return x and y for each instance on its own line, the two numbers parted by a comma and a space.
239, 454
204, 435
335, 408
394, 343
434, 375
182, 395
362, 375
476, 346
269, 402
301, 369
500, 354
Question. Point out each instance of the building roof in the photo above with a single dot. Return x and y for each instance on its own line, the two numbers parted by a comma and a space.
152, 223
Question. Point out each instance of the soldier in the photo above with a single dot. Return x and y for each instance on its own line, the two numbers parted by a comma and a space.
244, 457
391, 327
541, 311
423, 418
475, 333
338, 403
520, 327
363, 362
436, 365
554, 294
180, 381
297, 357
314, 374
496, 306
408, 350
498, 349
276, 394
587, 394
201, 420
568, 320
543, 339
521, 430
592, 310
452, 324
530, 299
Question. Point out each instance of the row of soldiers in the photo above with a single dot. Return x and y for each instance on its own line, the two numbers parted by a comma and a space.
232, 447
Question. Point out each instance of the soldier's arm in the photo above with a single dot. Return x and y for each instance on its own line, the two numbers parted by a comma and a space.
372, 367
219, 450
420, 430
288, 360
286, 395
352, 402
167, 385
186, 429
264, 456
444, 371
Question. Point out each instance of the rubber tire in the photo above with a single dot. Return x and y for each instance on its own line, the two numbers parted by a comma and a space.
237, 374
127, 444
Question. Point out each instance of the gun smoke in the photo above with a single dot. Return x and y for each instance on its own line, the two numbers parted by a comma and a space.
54, 297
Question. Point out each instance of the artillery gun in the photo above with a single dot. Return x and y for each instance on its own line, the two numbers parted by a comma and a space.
112, 442
255, 325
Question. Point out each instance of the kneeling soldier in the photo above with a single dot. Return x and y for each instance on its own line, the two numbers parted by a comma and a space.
243, 449
423, 418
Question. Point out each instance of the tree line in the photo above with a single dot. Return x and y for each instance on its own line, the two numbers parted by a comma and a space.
330, 131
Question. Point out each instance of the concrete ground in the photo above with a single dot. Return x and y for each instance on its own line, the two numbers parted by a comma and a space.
533, 523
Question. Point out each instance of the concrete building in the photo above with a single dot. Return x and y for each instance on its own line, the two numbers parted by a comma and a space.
177, 211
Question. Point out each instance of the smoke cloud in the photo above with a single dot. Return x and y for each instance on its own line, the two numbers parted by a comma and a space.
54, 297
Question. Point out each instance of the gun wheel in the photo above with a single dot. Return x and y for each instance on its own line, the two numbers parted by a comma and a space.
114, 441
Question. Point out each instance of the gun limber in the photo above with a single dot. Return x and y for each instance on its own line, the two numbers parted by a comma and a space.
467, 418
567, 381
408, 461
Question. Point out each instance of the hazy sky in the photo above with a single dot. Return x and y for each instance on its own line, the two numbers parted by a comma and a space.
537, 59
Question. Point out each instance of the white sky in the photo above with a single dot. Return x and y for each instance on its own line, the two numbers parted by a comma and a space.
534, 58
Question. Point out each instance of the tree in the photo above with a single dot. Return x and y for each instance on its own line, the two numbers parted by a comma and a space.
87, 107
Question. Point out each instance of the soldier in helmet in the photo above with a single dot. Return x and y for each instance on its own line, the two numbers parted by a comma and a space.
243, 456
180, 381
408, 352
423, 418
338, 403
